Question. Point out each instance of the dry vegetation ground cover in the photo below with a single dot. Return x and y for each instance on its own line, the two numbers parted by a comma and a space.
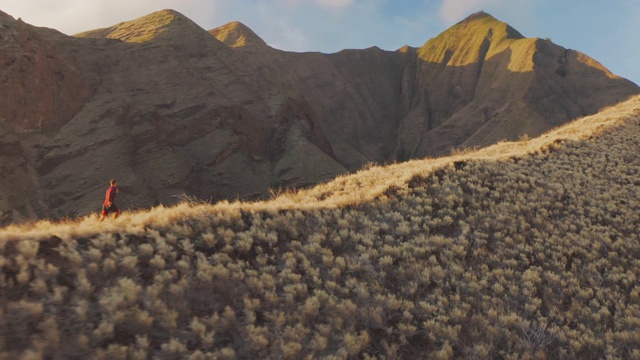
521, 250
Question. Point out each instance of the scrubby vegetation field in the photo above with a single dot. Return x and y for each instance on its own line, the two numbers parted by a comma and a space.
520, 250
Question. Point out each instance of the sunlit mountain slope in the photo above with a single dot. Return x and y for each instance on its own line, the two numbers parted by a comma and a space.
520, 250
168, 108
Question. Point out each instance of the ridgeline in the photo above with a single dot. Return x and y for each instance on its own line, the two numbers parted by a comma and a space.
523, 249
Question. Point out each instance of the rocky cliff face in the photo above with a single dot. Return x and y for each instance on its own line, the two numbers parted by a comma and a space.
39, 91
168, 108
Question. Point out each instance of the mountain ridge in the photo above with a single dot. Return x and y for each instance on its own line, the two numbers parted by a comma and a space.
141, 29
164, 26
184, 113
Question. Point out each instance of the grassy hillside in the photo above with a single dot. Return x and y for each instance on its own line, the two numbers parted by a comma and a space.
521, 250
136, 31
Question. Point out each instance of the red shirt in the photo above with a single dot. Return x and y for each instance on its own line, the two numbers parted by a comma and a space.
111, 195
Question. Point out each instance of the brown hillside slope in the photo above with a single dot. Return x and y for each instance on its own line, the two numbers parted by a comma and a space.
526, 249
172, 116
168, 109
40, 91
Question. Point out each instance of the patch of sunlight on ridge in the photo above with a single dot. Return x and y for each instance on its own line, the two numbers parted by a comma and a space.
585, 59
138, 30
522, 52
231, 35
465, 42
480, 39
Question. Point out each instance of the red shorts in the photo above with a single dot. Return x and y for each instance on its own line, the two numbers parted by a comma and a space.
106, 209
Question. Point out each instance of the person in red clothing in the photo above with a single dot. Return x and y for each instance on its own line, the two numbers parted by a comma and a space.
109, 204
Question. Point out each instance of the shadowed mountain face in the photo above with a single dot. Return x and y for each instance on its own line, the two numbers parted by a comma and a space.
168, 108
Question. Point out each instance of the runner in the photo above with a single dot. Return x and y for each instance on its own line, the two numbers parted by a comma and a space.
109, 204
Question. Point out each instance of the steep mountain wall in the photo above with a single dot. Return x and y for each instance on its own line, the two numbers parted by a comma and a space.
168, 108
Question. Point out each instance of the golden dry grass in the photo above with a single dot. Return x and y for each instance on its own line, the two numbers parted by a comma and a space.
460, 45
138, 30
235, 34
521, 250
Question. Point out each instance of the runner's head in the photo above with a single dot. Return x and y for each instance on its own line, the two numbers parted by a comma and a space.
113, 182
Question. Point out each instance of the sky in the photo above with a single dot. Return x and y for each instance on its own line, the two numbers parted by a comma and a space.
606, 30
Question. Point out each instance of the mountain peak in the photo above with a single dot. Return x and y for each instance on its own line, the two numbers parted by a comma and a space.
146, 27
478, 15
482, 22
237, 34
478, 35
